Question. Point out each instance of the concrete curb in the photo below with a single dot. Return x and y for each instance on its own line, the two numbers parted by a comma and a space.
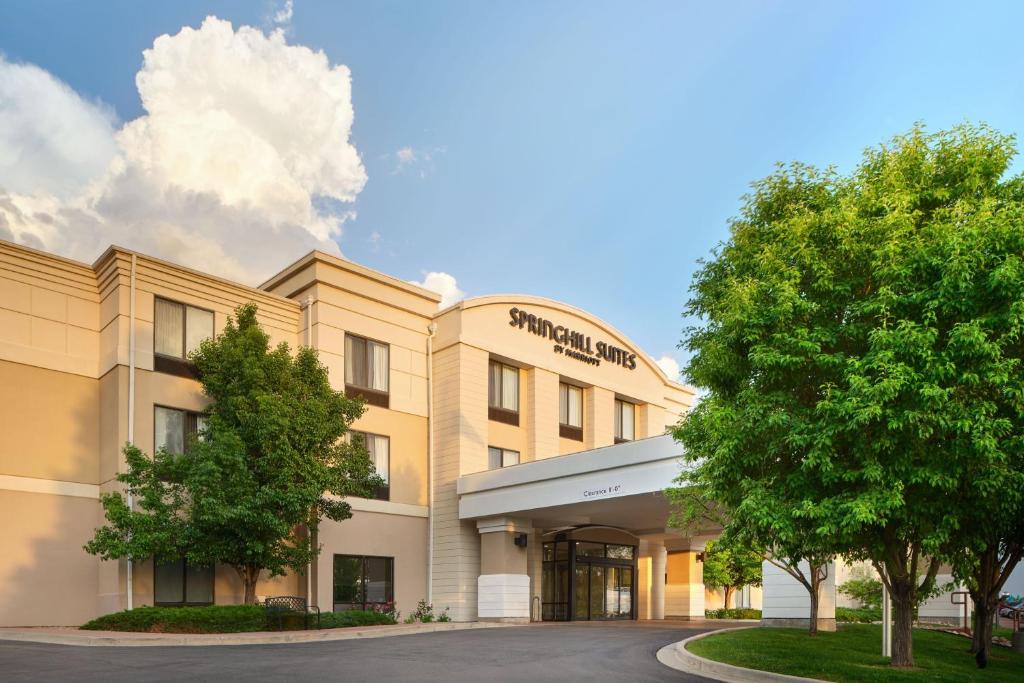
678, 657
76, 637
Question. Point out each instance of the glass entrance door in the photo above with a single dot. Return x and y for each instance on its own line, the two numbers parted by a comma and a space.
585, 580
602, 592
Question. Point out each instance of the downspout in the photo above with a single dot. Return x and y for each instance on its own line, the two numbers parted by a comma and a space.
307, 306
432, 328
131, 409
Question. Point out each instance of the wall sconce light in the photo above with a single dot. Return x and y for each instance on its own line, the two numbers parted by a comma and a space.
700, 557
520, 540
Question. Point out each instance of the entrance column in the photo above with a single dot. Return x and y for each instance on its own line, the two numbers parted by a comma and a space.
503, 587
658, 569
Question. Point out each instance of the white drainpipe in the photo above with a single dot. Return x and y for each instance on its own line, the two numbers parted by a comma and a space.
432, 328
131, 408
307, 305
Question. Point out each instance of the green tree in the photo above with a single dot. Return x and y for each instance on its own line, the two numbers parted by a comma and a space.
860, 347
269, 465
730, 567
706, 498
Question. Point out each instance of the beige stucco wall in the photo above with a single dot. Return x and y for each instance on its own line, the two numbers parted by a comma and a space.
367, 533
32, 442
46, 579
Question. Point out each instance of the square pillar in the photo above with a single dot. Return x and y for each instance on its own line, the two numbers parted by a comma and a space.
685, 585
503, 587
598, 417
541, 414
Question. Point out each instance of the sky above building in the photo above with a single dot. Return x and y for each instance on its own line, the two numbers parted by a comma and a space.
591, 152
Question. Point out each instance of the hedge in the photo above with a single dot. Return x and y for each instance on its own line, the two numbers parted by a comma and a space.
218, 619
858, 615
741, 613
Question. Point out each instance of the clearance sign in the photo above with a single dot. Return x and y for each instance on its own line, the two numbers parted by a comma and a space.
571, 343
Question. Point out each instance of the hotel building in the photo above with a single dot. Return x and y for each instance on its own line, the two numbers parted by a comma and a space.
522, 441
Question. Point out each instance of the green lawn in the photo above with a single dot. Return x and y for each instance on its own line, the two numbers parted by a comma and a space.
853, 654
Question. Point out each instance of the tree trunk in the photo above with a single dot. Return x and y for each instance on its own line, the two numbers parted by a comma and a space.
728, 590
812, 628
249, 575
981, 642
903, 622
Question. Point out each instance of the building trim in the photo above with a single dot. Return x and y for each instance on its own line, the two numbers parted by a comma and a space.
387, 507
54, 487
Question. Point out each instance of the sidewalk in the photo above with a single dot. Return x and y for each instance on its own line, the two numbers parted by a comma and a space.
74, 636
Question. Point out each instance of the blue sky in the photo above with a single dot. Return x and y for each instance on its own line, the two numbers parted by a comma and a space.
586, 151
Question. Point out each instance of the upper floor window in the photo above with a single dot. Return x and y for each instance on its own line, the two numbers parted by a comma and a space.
379, 448
503, 393
625, 420
366, 369
501, 457
570, 411
176, 430
178, 329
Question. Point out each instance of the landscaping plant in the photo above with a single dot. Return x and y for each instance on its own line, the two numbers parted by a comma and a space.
730, 567
860, 345
251, 490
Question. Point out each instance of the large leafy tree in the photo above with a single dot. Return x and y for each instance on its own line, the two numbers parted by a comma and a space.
269, 465
860, 347
730, 567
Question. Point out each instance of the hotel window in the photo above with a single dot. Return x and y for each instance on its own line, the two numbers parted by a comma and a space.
362, 581
501, 457
178, 329
570, 412
503, 393
177, 583
379, 448
366, 369
176, 430
625, 419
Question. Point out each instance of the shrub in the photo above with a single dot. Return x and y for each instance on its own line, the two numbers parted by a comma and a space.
213, 619
355, 617
865, 590
223, 619
424, 613
862, 615
733, 613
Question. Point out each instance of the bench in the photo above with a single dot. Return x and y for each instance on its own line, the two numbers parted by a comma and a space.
280, 607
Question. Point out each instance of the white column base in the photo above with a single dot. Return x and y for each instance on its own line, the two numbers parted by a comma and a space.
503, 596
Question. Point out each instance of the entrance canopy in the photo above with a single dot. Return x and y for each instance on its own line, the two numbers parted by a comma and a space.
620, 486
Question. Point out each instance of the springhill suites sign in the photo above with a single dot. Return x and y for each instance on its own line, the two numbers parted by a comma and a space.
570, 342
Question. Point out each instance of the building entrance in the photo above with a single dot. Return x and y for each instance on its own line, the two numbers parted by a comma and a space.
584, 580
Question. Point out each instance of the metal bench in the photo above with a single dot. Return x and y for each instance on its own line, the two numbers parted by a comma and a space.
280, 607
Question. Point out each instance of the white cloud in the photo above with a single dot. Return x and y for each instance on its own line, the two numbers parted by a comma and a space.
243, 137
51, 139
283, 16
444, 284
422, 161
669, 365
375, 240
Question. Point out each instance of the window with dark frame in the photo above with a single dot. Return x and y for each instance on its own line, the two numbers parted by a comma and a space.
178, 330
570, 411
179, 584
367, 366
503, 393
501, 457
361, 581
625, 421
176, 430
379, 447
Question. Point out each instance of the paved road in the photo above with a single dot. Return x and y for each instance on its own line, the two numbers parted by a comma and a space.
541, 652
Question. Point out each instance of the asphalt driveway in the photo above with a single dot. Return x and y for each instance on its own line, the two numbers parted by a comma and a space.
539, 652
